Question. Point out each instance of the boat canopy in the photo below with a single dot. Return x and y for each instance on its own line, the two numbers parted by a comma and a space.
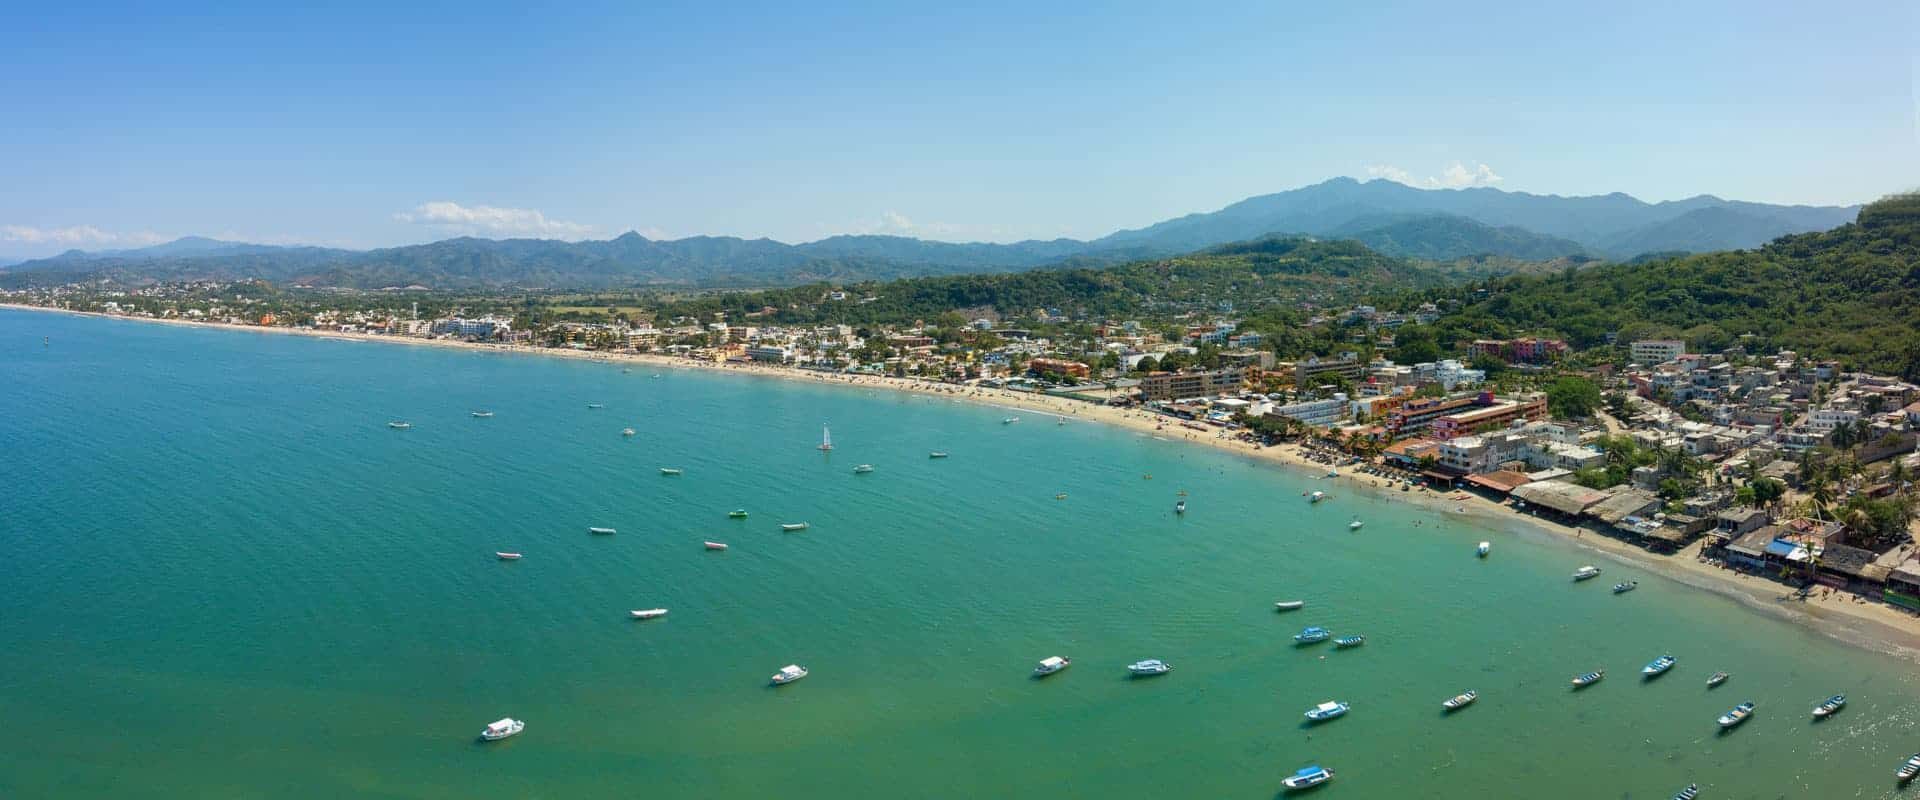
1052, 661
500, 725
1307, 772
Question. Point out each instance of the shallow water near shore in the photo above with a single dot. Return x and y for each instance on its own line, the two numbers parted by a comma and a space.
228, 577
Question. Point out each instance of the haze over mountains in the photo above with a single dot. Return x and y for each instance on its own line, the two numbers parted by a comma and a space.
1392, 218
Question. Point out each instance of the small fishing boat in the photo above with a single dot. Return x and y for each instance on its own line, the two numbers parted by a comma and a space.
1739, 714
1350, 641
1625, 586
1307, 778
793, 526
482, 414
1909, 769
738, 513
508, 556
788, 674
399, 426
863, 469
1332, 709
1355, 525
1461, 700
1050, 665
1717, 678
1060, 496
1658, 666
1316, 497
596, 405
1586, 572
648, 613
1312, 634
1827, 709
1180, 507
1289, 605
1589, 679
627, 431
654, 376
1009, 420
502, 728
1151, 666
937, 454
1692, 791
715, 545
1484, 549
826, 439
670, 470
601, 531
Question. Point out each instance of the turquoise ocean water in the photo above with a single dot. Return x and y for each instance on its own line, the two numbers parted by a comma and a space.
226, 577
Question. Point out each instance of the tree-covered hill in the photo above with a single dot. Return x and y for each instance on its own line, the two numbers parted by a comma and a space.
1852, 293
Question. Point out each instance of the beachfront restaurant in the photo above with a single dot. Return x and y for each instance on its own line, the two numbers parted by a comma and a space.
1558, 499
1903, 584
1851, 568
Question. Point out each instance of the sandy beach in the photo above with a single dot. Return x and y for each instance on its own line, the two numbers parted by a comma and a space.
1843, 616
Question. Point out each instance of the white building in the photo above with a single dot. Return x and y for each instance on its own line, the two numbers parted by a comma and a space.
1657, 351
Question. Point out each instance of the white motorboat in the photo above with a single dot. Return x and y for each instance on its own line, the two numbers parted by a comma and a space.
648, 613
1050, 665
1484, 549
1151, 666
1289, 605
596, 405
1355, 525
1009, 420
863, 469
627, 431
601, 531
1332, 709
482, 414
1625, 586
1180, 507
399, 426
826, 439
1460, 701
508, 556
502, 728
1316, 497
788, 674
793, 526
670, 470
1586, 572
937, 454
715, 545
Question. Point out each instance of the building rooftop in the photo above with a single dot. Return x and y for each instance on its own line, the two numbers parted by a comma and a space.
1566, 498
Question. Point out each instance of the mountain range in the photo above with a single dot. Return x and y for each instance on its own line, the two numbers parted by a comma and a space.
1391, 218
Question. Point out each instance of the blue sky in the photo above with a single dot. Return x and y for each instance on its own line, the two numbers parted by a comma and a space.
370, 125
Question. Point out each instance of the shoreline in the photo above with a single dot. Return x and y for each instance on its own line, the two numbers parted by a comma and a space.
1842, 616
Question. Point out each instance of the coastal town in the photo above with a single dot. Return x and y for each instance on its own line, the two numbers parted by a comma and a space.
1787, 468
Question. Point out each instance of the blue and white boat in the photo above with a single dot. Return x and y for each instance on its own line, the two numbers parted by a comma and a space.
1325, 711
1658, 666
1312, 635
1625, 586
1833, 704
1350, 641
1589, 679
1909, 769
1692, 791
1739, 714
1307, 778
1460, 701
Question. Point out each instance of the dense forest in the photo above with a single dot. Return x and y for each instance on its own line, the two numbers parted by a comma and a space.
1248, 277
1852, 293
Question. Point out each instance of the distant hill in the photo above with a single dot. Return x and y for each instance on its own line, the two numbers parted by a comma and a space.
1852, 293
1442, 225
1616, 225
1444, 237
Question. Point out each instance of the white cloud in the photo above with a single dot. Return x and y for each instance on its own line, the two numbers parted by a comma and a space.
493, 220
76, 236
1457, 175
894, 223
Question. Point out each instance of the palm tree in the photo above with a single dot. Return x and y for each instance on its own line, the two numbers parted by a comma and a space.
1820, 493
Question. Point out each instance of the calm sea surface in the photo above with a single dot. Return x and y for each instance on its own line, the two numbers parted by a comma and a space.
225, 576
